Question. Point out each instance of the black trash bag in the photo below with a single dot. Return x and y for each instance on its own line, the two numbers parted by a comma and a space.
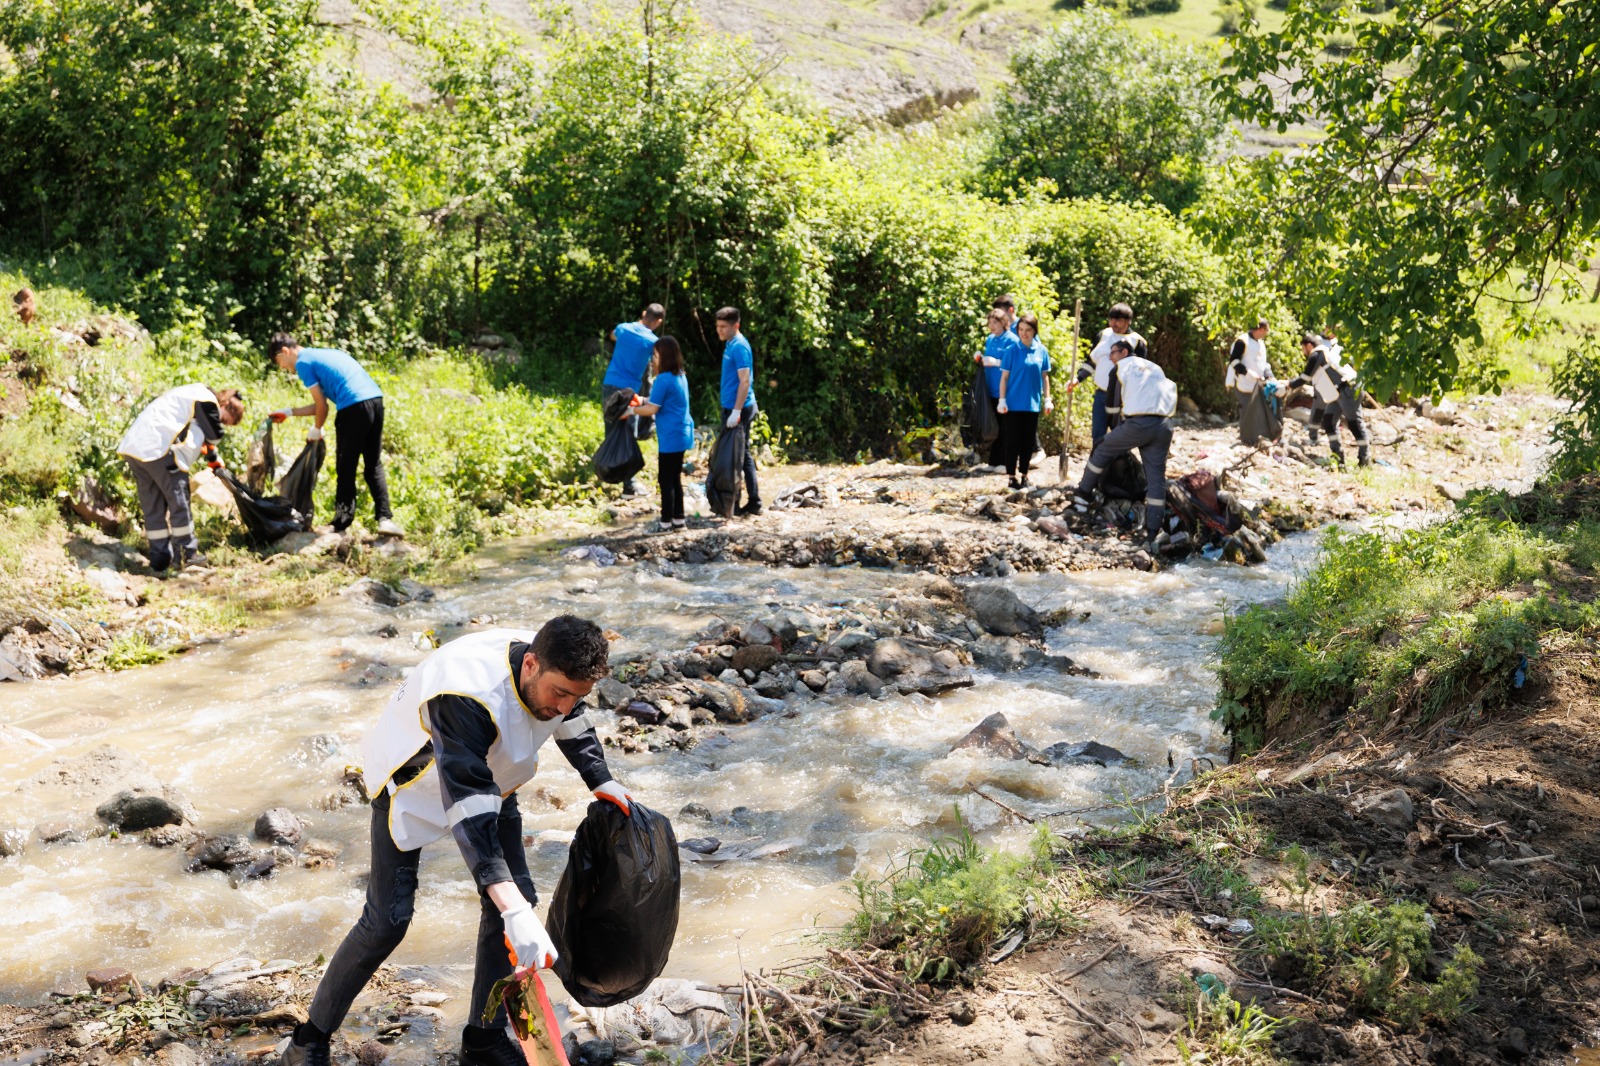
300, 483
614, 914
618, 458
261, 462
982, 425
266, 518
726, 472
1123, 479
1259, 418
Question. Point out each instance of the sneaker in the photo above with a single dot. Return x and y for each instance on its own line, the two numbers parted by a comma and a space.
388, 527
752, 511
680, 523
489, 1047
292, 1054
195, 561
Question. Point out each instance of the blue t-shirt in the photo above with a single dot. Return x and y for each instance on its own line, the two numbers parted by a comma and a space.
997, 346
630, 357
736, 356
340, 377
674, 424
1027, 367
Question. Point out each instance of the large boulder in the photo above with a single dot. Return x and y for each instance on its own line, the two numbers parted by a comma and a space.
994, 736
133, 811
915, 668
999, 610
1083, 753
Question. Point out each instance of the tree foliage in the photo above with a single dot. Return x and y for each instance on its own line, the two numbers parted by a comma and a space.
1102, 110
1460, 150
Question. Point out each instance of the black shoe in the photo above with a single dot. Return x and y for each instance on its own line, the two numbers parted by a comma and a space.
159, 559
489, 1047
342, 517
751, 511
1022, 482
193, 560
629, 488
1013, 483
1362, 458
293, 1054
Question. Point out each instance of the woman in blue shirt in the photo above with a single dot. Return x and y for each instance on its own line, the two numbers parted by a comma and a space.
1024, 393
669, 402
999, 342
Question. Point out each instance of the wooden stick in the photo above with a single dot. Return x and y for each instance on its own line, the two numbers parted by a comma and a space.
1086, 967
1064, 466
1005, 807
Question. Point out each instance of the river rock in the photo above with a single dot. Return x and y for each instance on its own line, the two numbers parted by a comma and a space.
914, 668
758, 633
848, 644
1392, 807
1451, 490
994, 736
756, 657
772, 686
112, 585
610, 693
727, 703
279, 826
815, 680
784, 628
13, 842
1004, 654
854, 678
221, 852
999, 610
108, 979
371, 591
1083, 753
132, 811
595, 1053
414, 590
60, 832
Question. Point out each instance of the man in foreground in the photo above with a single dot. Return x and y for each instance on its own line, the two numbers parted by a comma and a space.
633, 343
446, 757
1140, 403
335, 378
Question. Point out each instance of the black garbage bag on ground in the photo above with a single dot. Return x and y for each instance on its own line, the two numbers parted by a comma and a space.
980, 425
614, 914
1259, 419
1123, 479
266, 518
726, 472
618, 458
300, 483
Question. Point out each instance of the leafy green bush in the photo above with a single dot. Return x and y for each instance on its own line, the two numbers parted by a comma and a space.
1097, 108
1576, 379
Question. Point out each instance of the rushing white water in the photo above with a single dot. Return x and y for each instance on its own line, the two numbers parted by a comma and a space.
857, 780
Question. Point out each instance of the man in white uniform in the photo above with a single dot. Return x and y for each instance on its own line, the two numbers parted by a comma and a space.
445, 758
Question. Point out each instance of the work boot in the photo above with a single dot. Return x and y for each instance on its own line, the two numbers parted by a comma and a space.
342, 517
630, 488
753, 510
193, 560
1314, 434
311, 1053
1362, 458
489, 1047
159, 557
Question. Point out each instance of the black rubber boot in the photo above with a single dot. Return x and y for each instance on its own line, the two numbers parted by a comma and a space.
1362, 458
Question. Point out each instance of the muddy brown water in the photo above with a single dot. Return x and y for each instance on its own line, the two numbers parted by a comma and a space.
855, 781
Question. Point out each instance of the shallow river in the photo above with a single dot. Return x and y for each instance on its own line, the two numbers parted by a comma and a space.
857, 780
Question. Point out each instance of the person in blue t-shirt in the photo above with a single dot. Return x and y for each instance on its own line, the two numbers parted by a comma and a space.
995, 348
669, 402
739, 398
634, 344
338, 380
1024, 393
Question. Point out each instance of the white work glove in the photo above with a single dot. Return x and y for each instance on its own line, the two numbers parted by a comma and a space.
990, 361
1049, 405
1001, 406
733, 419
613, 792
314, 433
530, 945
279, 416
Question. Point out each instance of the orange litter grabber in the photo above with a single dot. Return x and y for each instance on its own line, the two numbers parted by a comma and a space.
533, 1019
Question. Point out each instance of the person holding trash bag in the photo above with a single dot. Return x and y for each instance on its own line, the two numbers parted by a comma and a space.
633, 344
1140, 403
1098, 365
175, 430
1250, 378
445, 758
739, 399
1024, 392
996, 347
669, 403
1331, 385
618, 458
335, 378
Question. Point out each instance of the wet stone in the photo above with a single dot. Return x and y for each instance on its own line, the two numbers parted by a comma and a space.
222, 852
756, 657
999, 610
60, 833
108, 978
1083, 753
279, 826
994, 736
13, 842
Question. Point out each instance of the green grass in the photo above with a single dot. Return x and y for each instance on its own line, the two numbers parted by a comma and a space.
1223, 1030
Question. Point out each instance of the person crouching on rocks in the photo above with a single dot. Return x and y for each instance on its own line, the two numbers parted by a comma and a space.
669, 402
1332, 386
177, 429
1140, 403
446, 758
1024, 392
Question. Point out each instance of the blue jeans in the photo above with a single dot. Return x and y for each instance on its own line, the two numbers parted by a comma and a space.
1098, 417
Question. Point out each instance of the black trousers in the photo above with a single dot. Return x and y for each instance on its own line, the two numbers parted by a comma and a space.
1019, 439
1348, 408
358, 438
671, 477
391, 900
752, 491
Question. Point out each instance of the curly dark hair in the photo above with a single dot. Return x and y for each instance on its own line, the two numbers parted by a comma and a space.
573, 646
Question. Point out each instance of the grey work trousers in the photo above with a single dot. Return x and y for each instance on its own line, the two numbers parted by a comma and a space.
164, 499
391, 899
1152, 435
1348, 408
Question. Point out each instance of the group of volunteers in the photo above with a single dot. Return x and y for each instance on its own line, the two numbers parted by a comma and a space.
652, 368
1333, 394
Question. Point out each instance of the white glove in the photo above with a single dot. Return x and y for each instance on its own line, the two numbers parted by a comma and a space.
1049, 405
733, 419
613, 792
314, 433
530, 944
1001, 406
990, 360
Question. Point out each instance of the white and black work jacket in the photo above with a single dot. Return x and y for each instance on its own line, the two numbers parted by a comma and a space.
1324, 375
1247, 364
1098, 365
182, 421
1139, 387
457, 738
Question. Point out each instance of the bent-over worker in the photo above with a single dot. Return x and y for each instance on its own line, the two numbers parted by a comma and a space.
1331, 385
1140, 403
446, 758
176, 429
